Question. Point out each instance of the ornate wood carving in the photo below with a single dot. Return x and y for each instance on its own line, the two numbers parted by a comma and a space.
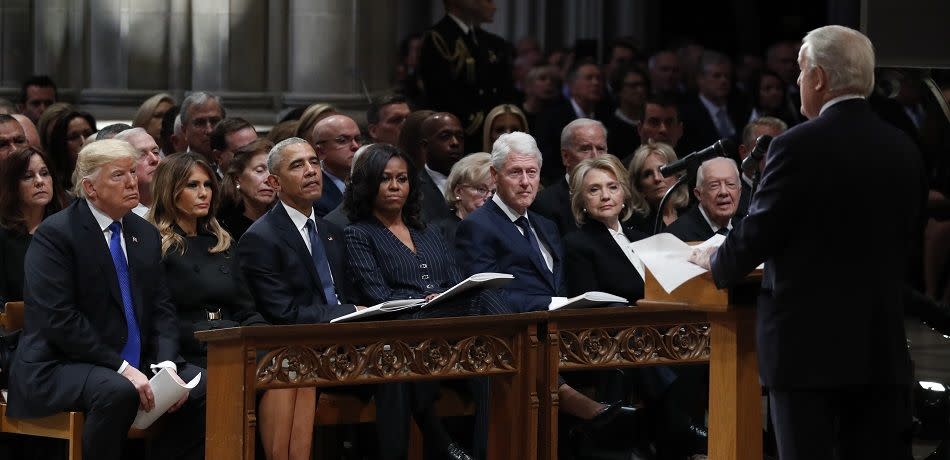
634, 345
308, 365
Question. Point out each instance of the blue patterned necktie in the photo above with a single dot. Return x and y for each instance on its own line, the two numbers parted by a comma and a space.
532, 241
132, 351
321, 264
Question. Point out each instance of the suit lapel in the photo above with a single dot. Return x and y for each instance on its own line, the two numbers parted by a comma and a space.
99, 249
548, 240
332, 248
513, 235
292, 237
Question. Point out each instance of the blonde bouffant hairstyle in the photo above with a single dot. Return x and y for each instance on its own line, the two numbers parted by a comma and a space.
171, 176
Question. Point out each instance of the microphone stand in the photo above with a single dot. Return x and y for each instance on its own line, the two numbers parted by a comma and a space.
659, 213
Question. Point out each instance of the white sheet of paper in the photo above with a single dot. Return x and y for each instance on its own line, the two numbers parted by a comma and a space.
668, 259
167, 392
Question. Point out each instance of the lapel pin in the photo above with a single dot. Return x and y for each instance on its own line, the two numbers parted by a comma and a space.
135, 240
330, 238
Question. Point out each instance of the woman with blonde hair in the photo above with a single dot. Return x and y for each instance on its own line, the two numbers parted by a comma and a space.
467, 188
309, 119
502, 119
150, 113
649, 186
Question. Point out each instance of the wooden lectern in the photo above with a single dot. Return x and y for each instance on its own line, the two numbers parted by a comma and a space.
735, 405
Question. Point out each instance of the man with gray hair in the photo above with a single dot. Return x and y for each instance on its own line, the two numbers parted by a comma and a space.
145, 165
100, 317
200, 112
750, 135
712, 114
580, 139
504, 236
717, 193
831, 344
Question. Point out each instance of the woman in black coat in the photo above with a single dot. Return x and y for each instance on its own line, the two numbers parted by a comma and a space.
203, 277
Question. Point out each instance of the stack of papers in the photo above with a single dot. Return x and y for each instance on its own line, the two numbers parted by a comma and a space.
668, 258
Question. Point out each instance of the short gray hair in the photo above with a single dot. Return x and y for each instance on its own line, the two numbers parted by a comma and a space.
198, 98
517, 142
177, 126
359, 152
771, 122
129, 133
94, 156
471, 168
567, 134
277, 152
700, 173
845, 55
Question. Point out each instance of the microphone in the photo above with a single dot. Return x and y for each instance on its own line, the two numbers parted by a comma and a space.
751, 163
721, 148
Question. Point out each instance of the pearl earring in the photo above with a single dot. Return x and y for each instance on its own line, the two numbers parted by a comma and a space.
238, 186
458, 197
585, 210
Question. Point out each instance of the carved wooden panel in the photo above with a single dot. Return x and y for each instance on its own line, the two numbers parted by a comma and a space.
634, 345
309, 365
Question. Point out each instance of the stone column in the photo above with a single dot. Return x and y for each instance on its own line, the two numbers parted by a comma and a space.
16, 57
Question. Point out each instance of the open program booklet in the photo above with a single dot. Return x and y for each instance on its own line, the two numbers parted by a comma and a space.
587, 299
478, 280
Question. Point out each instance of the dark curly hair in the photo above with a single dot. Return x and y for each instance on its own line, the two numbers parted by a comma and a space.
360, 196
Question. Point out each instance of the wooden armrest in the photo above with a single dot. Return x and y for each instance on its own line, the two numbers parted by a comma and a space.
12, 317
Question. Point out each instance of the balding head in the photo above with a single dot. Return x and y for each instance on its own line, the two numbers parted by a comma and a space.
32, 135
443, 141
12, 136
335, 139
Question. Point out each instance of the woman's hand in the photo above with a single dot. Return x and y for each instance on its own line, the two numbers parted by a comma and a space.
431, 296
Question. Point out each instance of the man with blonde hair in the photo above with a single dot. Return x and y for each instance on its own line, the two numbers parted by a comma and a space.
99, 318
831, 344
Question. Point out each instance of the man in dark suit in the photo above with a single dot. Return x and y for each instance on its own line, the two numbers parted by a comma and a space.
279, 252
443, 143
586, 85
717, 195
715, 112
464, 69
504, 236
335, 139
830, 330
98, 313
581, 139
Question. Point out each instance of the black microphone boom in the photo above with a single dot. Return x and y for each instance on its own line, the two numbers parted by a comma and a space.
692, 161
751, 163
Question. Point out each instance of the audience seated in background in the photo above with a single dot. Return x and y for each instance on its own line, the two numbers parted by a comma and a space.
308, 120
37, 94
384, 118
85, 347
149, 157
503, 119
12, 136
245, 193
48, 121
151, 113
541, 86
580, 139
29, 194
649, 187
664, 69
201, 267
200, 113
750, 134
468, 187
442, 143
226, 137
410, 136
29, 129
631, 88
335, 139
714, 112
66, 139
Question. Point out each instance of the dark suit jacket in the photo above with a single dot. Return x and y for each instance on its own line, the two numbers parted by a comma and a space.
830, 309
280, 272
466, 78
554, 202
622, 138
699, 129
434, 206
12, 252
331, 198
692, 226
487, 241
550, 123
74, 317
594, 262
337, 217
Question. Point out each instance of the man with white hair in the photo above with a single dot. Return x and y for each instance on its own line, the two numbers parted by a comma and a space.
580, 139
99, 316
145, 165
717, 192
200, 113
831, 344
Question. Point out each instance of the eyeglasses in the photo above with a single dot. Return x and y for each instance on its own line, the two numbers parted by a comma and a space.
344, 140
480, 190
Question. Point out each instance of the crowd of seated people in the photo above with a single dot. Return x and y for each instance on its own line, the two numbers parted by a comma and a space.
328, 214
